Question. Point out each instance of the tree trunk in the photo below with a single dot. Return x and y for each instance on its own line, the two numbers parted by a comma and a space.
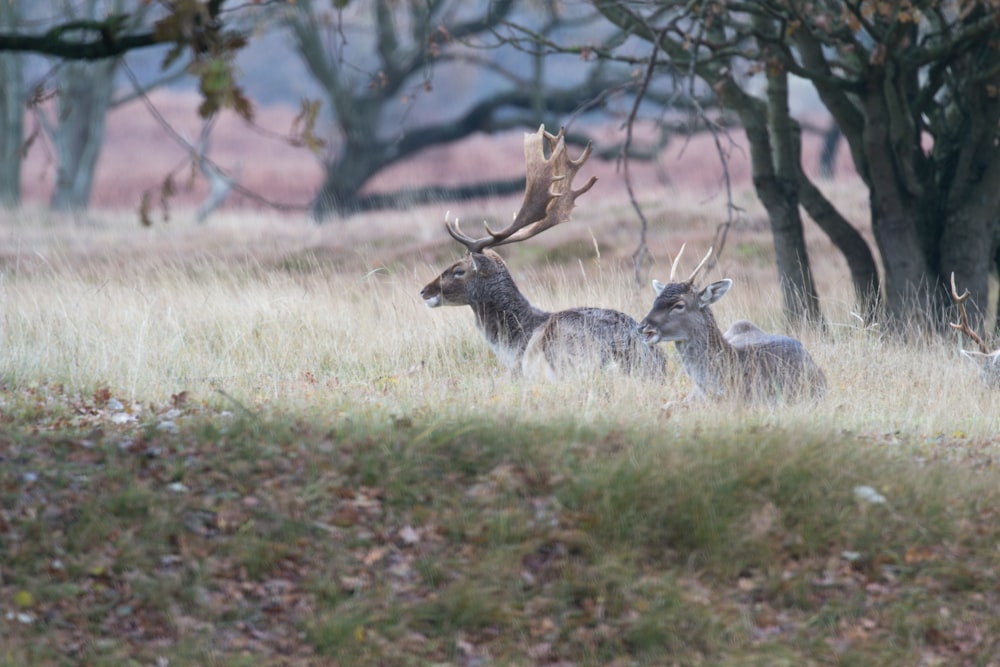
775, 162
338, 195
996, 268
901, 215
967, 251
794, 274
969, 243
909, 296
12, 102
797, 282
356, 162
854, 248
84, 98
828, 154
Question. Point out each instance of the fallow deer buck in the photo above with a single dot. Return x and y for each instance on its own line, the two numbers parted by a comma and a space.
988, 362
527, 339
745, 363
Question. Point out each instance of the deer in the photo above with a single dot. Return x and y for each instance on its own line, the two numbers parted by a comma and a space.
529, 341
745, 363
987, 361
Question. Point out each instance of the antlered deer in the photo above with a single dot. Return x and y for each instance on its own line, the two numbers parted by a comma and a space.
745, 363
525, 338
988, 362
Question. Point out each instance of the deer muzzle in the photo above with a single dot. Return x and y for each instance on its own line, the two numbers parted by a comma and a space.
431, 295
650, 335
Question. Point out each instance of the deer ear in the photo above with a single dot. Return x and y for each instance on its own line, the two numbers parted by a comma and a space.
658, 287
713, 292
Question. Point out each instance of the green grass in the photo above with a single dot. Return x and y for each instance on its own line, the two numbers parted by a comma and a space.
541, 540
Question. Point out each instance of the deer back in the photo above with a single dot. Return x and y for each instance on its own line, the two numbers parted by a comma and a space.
581, 340
535, 342
777, 366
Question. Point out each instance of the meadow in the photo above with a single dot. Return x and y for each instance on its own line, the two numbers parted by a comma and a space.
249, 443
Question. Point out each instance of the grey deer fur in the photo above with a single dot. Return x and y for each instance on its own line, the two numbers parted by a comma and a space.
526, 339
745, 363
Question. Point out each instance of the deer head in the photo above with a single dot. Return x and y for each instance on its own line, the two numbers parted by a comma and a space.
680, 311
467, 281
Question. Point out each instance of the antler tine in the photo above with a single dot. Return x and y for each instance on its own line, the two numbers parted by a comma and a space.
677, 259
954, 292
456, 233
700, 265
963, 317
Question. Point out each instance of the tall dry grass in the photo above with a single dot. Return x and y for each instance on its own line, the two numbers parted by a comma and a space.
274, 309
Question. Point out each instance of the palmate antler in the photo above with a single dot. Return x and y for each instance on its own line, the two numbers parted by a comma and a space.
963, 318
549, 196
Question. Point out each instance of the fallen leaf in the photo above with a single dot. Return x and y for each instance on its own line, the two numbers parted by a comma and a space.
24, 599
409, 536
375, 555
346, 517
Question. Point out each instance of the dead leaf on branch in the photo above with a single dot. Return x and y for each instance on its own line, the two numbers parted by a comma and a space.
303, 130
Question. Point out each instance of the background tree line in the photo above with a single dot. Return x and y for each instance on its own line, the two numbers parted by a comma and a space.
914, 87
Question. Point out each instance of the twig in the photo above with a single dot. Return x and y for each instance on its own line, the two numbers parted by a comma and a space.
169, 129
642, 251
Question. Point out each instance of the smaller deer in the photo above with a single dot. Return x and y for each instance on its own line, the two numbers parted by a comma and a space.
745, 363
988, 362
525, 338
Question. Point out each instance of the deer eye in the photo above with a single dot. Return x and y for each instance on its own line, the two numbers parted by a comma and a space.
458, 273
677, 307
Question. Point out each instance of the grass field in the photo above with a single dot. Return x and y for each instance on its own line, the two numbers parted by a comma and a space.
249, 443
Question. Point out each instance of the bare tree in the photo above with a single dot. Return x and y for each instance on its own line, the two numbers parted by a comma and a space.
378, 61
84, 87
87, 40
83, 95
913, 87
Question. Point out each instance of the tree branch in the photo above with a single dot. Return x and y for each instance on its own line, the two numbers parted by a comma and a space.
106, 45
407, 197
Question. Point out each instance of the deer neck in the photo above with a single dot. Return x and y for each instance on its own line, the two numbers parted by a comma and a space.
708, 359
507, 319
